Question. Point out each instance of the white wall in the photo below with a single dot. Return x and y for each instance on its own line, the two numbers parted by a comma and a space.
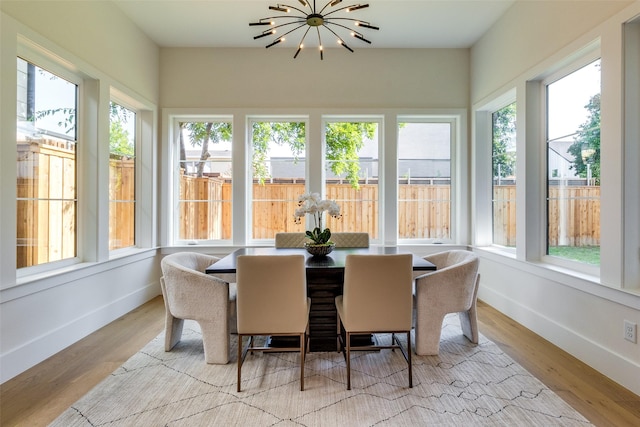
42, 314
527, 34
582, 314
367, 78
99, 34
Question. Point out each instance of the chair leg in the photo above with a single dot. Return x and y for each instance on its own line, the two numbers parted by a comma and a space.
303, 341
348, 360
172, 331
239, 361
428, 331
469, 324
215, 338
409, 359
469, 318
338, 332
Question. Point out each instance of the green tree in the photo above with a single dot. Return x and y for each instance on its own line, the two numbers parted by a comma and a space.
344, 140
504, 130
586, 146
290, 133
120, 144
200, 134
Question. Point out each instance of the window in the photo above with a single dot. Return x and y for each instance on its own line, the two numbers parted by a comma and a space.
203, 180
278, 157
46, 166
424, 180
503, 165
352, 175
278, 170
122, 177
573, 165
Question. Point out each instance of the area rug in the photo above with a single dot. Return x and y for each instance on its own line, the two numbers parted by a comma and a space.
465, 385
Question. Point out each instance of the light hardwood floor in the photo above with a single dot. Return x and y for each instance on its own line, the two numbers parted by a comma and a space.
39, 395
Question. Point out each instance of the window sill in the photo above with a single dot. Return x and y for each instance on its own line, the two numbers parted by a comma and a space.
564, 276
41, 281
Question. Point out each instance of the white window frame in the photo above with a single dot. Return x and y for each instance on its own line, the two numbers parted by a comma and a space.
563, 71
483, 176
631, 207
144, 158
40, 58
173, 162
455, 195
350, 118
250, 120
315, 119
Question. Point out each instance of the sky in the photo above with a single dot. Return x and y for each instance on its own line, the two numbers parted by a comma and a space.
568, 97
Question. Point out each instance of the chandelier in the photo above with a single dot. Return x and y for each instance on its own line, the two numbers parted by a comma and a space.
309, 18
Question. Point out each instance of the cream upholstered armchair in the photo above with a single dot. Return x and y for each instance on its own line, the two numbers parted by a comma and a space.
452, 288
189, 293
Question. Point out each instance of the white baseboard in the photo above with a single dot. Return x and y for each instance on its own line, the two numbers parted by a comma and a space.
18, 360
619, 369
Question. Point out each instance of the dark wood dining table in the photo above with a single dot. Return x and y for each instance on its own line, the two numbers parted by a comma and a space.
325, 276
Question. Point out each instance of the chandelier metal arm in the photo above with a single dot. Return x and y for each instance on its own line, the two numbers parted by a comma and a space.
337, 24
301, 42
320, 43
294, 8
350, 8
270, 18
329, 3
281, 38
355, 33
340, 41
356, 22
284, 24
272, 30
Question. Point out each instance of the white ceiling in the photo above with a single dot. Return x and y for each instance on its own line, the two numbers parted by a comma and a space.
403, 23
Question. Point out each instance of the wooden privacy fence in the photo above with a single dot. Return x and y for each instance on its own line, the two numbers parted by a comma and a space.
424, 211
205, 213
46, 208
573, 217
122, 178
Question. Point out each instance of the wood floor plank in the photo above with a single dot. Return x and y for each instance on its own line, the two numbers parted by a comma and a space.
595, 396
37, 396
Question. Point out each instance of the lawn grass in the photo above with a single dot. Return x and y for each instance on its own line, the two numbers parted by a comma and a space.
586, 254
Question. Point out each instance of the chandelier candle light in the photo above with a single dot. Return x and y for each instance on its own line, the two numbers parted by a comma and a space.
294, 18
311, 203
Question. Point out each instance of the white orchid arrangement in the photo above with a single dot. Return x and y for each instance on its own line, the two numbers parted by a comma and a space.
311, 203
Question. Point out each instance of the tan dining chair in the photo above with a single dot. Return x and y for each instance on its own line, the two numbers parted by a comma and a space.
291, 240
451, 288
376, 298
189, 293
272, 300
350, 239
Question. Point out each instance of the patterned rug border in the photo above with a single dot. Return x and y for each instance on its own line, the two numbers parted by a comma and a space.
466, 384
